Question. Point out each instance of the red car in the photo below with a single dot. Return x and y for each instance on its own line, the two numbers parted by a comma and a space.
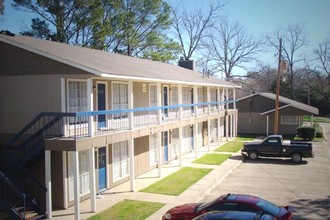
232, 202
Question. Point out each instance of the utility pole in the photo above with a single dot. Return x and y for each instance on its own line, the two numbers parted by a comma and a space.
278, 88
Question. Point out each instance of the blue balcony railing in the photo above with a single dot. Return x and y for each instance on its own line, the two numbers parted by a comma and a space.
85, 124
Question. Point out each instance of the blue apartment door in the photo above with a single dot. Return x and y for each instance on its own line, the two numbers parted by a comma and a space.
102, 168
101, 104
165, 100
165, 141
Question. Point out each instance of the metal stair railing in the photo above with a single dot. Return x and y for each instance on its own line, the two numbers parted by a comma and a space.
12, 200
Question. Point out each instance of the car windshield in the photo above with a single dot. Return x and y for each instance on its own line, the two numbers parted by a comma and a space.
268, 207
203, 206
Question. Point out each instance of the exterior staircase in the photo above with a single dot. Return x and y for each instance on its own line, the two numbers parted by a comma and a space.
18, 184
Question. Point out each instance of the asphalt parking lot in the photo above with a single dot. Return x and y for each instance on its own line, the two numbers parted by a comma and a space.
304, 186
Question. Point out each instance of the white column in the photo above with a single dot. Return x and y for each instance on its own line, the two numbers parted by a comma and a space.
219, 128
196, 138
180, 145
132, 173
159, 102
236, 124
227, 117
208, 98
312, 120
208, 132
234, 97
195, 100
227, 127
65, 179
219, 100
267, 125
92, 179
130, 104
76, 186
180, 100
90, 107
159, 145
231, 126
48, 184
63, 106
227, 99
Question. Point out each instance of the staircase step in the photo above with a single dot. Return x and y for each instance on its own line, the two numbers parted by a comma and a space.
4, 216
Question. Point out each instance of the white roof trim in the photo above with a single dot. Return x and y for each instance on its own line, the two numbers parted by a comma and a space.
282, 107
106, 75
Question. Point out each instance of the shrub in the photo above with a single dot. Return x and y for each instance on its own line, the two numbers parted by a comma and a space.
319, 134
306, 133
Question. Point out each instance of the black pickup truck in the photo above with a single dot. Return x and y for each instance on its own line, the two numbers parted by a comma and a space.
275, 146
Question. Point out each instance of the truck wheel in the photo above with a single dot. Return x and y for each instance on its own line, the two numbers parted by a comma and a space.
253, 155
296, 157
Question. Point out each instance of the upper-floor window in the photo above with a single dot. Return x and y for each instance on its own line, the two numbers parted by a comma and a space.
77, 96
152, 95
119, 95
289, 119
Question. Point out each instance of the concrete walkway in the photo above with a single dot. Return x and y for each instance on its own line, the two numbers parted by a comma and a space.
193, 194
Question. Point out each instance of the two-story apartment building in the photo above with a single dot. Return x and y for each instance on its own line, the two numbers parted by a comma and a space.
76, 121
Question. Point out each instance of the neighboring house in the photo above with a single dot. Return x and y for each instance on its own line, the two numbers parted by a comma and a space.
256, 114
76, 121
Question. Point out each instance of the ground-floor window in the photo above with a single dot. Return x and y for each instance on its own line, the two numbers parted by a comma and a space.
120, 160
174, 143
200, 135
187, 139
153, 149
289, 119
213, 130
84, 179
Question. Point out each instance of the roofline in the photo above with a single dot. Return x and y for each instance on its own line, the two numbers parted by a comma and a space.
56, 58
106, 75
263, 94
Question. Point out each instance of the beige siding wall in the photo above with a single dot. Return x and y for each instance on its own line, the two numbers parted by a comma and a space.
141, 94
57, 179
29, 95
141, 155
251, 123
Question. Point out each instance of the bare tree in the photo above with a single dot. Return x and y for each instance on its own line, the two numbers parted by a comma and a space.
323, 59
2, 7
231, 46
191, 27
294, 37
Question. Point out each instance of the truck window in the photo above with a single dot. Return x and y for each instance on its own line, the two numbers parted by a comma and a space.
273, 141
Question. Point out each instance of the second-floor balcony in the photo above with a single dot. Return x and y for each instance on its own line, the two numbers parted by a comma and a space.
77, 125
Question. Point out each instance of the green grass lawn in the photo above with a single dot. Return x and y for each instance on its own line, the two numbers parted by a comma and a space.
232, 146
212, 159
317, 119
245, 138
177, 182
127, 209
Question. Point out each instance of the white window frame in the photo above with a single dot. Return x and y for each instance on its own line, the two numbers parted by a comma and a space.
123, 163
153, 149
153, 103
289, 119
84, 174
86, 107
123, 115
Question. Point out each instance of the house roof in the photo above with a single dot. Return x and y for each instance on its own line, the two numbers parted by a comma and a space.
287, 103
105, 64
